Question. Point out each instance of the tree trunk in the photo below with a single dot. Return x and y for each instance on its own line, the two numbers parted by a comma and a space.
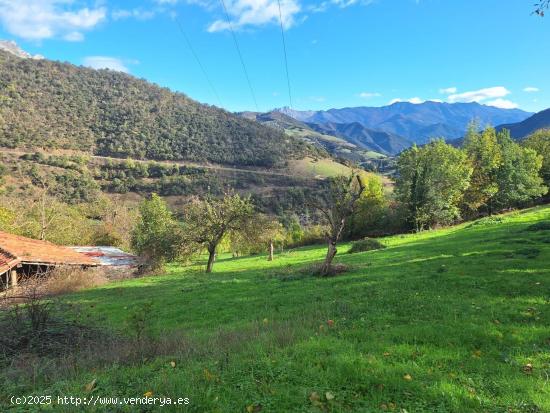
271, 248
211, 259
331, 252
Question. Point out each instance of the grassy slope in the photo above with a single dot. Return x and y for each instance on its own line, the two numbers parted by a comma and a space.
318, 168
460, 310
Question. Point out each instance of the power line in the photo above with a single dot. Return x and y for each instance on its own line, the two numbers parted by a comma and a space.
284, 50
240, 54
196, 56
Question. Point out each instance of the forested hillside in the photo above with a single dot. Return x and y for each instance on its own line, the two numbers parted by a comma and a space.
46, 104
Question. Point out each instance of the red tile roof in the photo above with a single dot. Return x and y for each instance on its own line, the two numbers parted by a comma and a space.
28, 250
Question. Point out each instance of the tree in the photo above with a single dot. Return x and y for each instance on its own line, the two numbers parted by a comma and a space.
371, 208
430, 183
518, 174
483, 151
209, 220
337, 202
156, 237
540, 143
261, 234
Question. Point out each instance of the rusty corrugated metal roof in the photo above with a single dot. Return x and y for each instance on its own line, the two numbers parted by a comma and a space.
28, 250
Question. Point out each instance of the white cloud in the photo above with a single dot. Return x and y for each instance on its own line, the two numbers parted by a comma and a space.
367, 95
415, 100
249, 13
448, 90
531, 89
324, 5
502, 104
44, 19
479, 95
105, 62
137, 13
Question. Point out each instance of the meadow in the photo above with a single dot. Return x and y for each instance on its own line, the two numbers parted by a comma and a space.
450, 320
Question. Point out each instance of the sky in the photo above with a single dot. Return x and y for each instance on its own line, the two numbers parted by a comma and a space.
341, 53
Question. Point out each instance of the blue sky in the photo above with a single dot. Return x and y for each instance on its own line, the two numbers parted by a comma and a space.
341, 52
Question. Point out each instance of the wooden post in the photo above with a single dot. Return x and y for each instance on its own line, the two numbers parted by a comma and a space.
13, 278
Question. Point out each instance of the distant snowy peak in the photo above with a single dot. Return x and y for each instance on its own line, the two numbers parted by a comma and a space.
12, 47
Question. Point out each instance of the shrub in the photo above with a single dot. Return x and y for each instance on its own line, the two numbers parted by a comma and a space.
32, 323
66, 280
366, 244
490, 220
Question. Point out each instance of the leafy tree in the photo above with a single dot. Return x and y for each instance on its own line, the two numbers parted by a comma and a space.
156, 236
261, 234
209, 220
430, 183
518, 174
483, 151
337, 202
371, 208
540, 143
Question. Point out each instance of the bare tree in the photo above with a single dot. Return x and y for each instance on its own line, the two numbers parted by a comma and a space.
337, 202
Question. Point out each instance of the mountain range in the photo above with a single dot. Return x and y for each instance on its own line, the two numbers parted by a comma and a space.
405, 122
520, 130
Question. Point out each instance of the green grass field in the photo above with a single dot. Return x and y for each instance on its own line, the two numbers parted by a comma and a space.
321, 167
454, 320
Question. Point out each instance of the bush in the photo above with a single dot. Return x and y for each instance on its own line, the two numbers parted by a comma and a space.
490, 220
33, 323
366, 244
69, 279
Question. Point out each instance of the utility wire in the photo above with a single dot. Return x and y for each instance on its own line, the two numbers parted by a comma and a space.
284, 50
240, 54
196, 56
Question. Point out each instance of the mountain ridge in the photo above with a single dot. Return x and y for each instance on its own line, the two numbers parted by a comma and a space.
49, 104
415, 122
520, 130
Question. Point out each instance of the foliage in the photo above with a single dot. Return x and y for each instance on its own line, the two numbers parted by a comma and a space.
372, 208
430, 183
156, 236
540, 143
207, 221
518, 175
256, 237
50, 104
485, 156
366, 244
101, 222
